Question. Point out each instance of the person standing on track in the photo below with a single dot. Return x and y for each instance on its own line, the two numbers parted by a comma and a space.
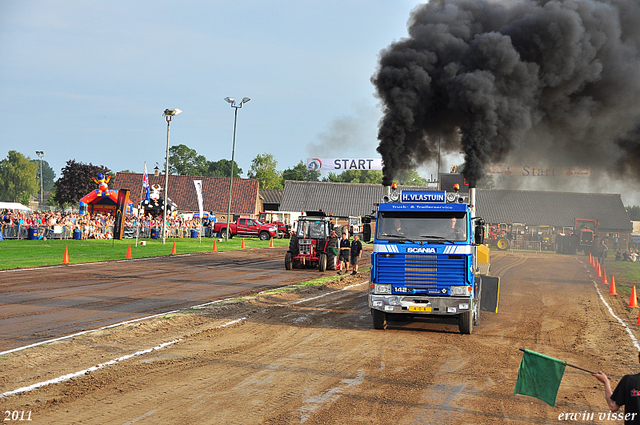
602, 251
356, 253
345, 248
626, 394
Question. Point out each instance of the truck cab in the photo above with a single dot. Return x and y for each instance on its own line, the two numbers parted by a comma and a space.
425, 258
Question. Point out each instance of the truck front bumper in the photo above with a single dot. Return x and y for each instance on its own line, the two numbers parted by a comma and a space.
420, 305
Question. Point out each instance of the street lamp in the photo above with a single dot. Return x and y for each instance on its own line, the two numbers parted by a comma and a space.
168, 114
232, 103
41, 155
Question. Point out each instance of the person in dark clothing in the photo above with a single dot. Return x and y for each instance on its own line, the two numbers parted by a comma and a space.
345, 248
626, 394
602, 251
356, 253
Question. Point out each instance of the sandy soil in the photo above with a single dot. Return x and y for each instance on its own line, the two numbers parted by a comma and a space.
311, 356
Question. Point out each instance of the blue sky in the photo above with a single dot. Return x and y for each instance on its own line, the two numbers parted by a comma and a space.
88, 80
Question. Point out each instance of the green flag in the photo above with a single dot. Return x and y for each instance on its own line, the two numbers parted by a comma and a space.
539, 376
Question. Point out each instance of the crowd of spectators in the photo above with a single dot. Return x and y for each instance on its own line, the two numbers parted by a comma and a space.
91, 226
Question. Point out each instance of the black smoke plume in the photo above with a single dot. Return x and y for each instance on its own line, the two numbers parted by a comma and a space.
556, 82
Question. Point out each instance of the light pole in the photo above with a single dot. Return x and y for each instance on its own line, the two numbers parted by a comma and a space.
168, 114
233, 104
41, 155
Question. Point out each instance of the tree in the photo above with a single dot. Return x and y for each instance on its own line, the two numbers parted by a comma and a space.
300, 173
47, 172
263, 168
222, 168
634, 212
185, 161
411, 178
76, 181
18, 178
355, 176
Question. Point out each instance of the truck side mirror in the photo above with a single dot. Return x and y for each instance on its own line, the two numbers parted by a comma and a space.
479, 235
366, 232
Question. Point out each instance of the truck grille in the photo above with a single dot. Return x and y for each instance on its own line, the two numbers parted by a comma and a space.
420, 271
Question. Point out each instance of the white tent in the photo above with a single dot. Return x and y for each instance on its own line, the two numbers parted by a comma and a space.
13, 206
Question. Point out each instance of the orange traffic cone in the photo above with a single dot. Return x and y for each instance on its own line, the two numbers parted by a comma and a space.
173, 250
598, 272
242, 247
633, 301
215, 248
271, 244
604, 277
129, 252
612, 287
65, 257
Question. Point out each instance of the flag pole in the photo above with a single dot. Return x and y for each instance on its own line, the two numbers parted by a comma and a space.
573, 366
140, 206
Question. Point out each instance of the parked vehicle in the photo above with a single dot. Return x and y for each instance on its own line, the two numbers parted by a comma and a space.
246, 227
283, 220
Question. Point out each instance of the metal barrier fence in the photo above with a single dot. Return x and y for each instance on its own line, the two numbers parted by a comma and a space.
94, 232
525, 245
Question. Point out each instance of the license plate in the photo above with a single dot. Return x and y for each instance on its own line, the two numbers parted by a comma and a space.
423, 309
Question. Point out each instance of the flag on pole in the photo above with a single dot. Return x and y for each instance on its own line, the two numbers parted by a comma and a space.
145, 183
539, 376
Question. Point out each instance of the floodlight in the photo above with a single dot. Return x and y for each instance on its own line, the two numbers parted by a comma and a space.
230, 100
245, 99
171, 112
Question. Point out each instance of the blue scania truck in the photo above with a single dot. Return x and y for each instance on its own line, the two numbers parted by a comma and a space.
428, 258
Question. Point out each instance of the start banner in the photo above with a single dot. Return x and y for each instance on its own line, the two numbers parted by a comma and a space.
342, 164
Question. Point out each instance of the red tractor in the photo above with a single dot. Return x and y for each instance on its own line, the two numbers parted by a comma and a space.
582, 238
311, 243
498, 235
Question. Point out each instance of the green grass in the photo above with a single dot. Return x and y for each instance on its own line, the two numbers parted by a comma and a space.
26, 253
626, 274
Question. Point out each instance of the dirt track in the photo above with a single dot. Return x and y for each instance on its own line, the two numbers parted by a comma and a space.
319, 361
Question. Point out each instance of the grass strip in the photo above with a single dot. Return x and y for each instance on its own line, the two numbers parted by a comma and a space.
16, 254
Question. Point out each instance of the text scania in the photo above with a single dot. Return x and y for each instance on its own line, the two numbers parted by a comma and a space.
421, 250
422, 197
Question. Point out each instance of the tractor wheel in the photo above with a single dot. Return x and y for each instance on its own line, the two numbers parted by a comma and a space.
502, 244
264, 236
379, 319
322, 262
288, 257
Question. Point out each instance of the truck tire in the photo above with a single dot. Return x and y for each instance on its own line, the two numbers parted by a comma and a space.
223, 233
288, 257
322, 262
379, 319
502, 244
264, 236
465, 322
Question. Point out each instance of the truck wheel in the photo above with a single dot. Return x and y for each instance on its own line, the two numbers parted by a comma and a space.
379, 319
465, 323
223, 233
288, 257
264, 236
322, 262
502, 244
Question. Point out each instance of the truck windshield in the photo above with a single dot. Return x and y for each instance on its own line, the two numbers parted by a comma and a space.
422, 225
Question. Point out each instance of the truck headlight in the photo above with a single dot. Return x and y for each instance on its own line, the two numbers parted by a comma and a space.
382, 289
460, 290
